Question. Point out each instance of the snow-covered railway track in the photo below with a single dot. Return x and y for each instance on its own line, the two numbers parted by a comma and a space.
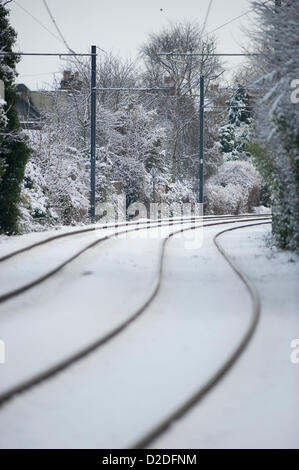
204, 389
76, 356
115, 229
98, 235
138, 224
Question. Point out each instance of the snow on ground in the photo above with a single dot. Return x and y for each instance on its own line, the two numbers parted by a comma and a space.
12, 243
113, 396
257, 404
8, 244
262, 210
31, 264
94, 294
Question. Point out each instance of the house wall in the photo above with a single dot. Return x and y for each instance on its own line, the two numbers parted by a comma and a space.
44, 101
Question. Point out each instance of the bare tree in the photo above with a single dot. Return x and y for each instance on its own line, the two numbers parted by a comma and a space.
182, 73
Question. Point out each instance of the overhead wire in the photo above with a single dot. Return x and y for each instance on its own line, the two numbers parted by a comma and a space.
229, 22
57, 28
207, 16
37, 20
234, 19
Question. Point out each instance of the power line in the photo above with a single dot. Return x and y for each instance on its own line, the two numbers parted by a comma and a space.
234, 19
56, 26
37, 74
228, 22
207, 16
37, 20
204, 24
62, 37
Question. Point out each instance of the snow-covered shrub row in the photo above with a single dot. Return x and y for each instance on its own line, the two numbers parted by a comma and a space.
234, 189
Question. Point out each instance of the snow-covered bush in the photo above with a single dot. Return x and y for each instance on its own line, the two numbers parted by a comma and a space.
213, 156
36, 213
233, 190
224, 200
179, 192
65, 176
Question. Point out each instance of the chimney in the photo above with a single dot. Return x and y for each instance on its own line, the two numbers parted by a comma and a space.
66, 75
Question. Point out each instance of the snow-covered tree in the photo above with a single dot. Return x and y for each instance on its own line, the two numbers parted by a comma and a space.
235, 135
276, 36
179, 106
129, 142
132, 144
239, 107
14, 151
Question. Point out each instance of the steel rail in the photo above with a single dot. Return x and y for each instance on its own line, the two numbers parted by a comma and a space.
82, 353
111, 226
196, 397
22, 289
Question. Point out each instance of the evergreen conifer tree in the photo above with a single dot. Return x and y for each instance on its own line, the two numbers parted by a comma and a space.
234, 136
14, 151
239, 107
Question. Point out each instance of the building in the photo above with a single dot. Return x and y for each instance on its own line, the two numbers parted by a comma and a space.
29, 115
33, 105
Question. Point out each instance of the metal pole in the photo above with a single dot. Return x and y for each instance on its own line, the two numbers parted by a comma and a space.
201, 138
93, 133
153, 172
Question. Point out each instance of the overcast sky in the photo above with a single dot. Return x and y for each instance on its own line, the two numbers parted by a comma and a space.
117, 25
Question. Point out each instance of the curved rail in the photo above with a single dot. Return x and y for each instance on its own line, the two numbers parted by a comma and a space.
136, 226
194, 399
117, 225
81, 354
20, 290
